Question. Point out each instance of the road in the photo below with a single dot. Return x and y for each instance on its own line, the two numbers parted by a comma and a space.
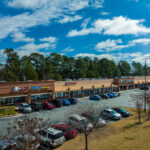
60, 114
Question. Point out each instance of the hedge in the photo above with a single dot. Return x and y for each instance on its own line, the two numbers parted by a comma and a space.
9, 110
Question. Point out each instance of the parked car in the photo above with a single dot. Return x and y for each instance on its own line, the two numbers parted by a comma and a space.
73, 100
68, 131
36, 106
48, 105
95, 97
51, 136
123, 112
144, 88
24, 107
56, 102
79, 122
96, 120
8, 146
45, 146
22, 140
65, 102
104, 96
110, 95
110, 114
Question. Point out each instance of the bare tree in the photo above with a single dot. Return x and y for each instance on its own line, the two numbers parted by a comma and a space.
138, 99
88, 111
24, 132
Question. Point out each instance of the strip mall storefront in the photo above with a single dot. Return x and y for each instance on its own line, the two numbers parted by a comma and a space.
14, 93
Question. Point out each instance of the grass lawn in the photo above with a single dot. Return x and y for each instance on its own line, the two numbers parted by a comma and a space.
120, 135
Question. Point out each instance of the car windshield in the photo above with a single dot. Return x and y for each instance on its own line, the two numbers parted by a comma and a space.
113, 112
84, 121
49, 103
122, 110
56, 136
26, 106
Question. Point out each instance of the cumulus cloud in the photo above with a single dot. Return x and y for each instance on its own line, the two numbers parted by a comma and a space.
29, 4
112, 45
67, 19
19, 36
50, 39
68, 49
115, 26
104, 13
43, 13
137, 57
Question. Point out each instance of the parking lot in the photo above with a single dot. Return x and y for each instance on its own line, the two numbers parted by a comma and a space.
59, 114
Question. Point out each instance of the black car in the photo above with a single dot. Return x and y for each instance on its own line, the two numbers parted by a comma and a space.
56, 102
144, 88
36, 106
123, 112
73, 100
105, 96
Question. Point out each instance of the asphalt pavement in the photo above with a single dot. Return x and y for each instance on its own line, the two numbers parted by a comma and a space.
60, 114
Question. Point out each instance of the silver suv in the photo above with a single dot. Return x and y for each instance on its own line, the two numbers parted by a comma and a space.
110, 114
52, 137
24, 107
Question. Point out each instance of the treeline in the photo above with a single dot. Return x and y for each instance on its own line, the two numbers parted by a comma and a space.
58, 67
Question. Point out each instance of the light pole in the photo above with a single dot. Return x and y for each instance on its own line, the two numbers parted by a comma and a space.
145, 73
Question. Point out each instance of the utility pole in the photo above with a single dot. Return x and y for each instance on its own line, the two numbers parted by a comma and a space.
145, 86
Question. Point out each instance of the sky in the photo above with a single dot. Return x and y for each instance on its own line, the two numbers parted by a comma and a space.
113, 29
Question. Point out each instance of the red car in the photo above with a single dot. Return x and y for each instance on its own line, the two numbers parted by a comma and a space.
48, 105
69, 132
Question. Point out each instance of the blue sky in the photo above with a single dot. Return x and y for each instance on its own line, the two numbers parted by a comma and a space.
115, 29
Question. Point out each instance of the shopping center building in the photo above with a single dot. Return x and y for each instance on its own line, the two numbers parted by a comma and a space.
14, 93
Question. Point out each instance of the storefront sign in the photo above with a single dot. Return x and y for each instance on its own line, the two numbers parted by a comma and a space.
70, 83
35, 87
17, 89
43, 88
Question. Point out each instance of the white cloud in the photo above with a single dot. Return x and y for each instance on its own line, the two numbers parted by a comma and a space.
104, 13
85, 23
68, 49
19, 36
67, 19
30, 4
50, 39
138, 57
108, 56
2, 56
44, 11
110, 45
116, 26
32, 47
143, 41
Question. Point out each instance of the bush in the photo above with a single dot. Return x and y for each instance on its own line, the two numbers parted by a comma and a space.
10, 110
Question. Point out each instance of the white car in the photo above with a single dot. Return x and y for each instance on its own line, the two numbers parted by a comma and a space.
24, 107
52, 136
79, 122
111, 114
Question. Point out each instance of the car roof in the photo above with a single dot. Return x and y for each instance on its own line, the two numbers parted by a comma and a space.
53, 131
77, 117
46, 102
24, 103
60, 125
109, 109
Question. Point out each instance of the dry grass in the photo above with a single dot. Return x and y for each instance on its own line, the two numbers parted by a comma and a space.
122, 135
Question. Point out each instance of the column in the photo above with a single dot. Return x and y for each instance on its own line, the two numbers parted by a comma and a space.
133, 86
69, 92
82, 91
111, 88
102, 89
126, 87
93, 88
53, 94
118, 88
28, 99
